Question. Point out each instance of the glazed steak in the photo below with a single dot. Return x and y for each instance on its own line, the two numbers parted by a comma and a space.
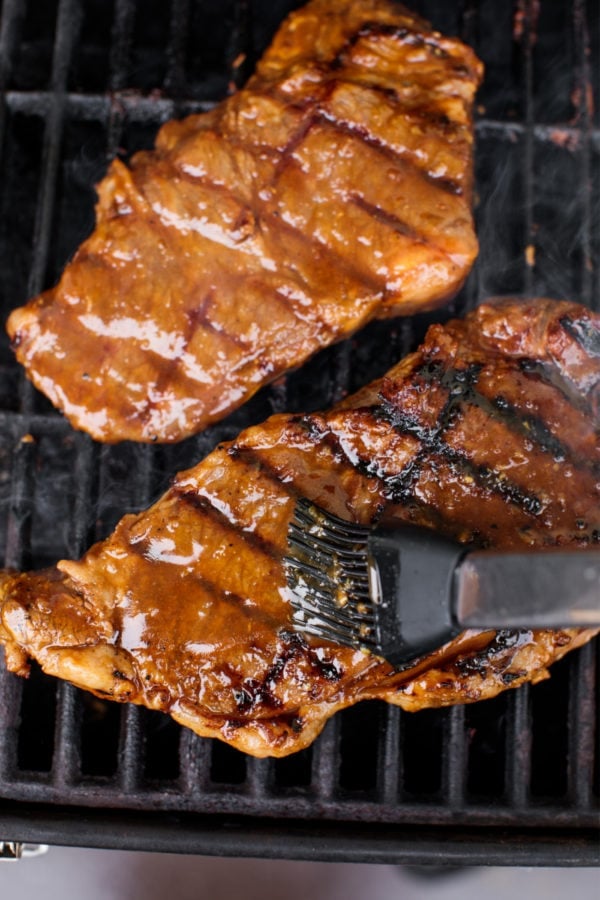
335, 188
488, 433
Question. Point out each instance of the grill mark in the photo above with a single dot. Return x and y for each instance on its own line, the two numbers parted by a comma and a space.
386, 218
533, 428
310, 120
218, 593
418, 115
501, 410
315, 116
280, 298
198, 316
536, 370
483, 476
404, 34
314, 318
397, 224
394, 488
253, 459
584, 333
206, 508
254, 693
407, 159
373, 284
406, 480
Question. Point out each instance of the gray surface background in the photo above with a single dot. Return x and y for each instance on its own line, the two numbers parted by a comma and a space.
73, 874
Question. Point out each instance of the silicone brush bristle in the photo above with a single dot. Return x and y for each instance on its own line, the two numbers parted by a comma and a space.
328, 573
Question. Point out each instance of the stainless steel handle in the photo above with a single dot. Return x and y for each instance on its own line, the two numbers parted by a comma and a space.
553, 589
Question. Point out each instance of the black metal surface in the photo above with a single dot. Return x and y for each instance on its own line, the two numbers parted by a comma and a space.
81, 80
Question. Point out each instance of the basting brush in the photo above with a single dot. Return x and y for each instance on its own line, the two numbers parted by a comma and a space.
401, 593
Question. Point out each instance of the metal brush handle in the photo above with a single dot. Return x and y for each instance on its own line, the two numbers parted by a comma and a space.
547, 589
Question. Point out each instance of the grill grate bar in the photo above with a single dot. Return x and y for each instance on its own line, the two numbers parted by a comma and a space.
68, 22
66, 760
583, 92
529, 41
175, 78
454, 757
582, 727
18, 530
194, 764
517, 775
156, 110
82, 510
390, 756
17, 555
325, 761
240, 55
120, 49
131, 736
131, 749
67, 27
100, 792
11, 688
10, 25
258, 777
97, 107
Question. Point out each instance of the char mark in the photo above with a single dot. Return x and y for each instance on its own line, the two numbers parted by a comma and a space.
198, 318
253, 459
389, 219
551, 376
362, 133
218, 593
433, 444
396, 488
531, 427
255, 692
206, 509
400, 33
461, 384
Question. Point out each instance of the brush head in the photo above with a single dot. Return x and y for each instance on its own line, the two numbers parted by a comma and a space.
385, 591
335, 588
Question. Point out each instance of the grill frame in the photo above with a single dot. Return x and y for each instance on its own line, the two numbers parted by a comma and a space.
321, 820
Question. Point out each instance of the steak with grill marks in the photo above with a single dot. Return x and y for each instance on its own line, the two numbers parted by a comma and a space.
335, 188
488, 433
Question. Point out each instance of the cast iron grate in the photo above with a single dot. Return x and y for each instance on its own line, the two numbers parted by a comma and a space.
82, 80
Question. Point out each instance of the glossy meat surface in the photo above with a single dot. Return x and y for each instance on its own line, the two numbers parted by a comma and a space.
335, 188
488, 433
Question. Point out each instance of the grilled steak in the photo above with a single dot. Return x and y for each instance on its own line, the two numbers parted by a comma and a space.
335, 188
488, 433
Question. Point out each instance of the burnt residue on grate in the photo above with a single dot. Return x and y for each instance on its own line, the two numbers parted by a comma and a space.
83, 80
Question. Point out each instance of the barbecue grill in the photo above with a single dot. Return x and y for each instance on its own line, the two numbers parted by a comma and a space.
513, 780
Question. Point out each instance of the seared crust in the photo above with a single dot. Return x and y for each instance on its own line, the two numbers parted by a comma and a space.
489, 433
335, 188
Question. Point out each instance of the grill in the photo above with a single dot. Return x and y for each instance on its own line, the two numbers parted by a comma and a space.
514, 780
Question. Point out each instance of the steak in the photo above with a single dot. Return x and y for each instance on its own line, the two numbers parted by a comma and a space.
335, 188
488, 434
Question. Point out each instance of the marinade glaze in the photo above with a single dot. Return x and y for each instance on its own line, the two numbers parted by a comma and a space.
488, 433
334, 188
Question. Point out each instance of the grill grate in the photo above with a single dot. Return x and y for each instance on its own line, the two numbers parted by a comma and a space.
82, 80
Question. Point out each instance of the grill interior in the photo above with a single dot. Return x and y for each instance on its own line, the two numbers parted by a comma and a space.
83, 80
